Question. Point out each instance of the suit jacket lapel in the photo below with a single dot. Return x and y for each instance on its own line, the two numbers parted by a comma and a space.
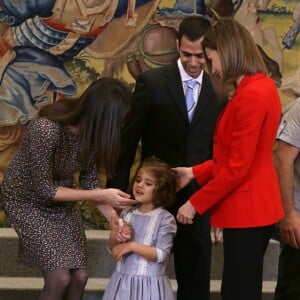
174, 86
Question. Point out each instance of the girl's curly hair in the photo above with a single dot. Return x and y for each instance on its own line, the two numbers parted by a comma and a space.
165, 190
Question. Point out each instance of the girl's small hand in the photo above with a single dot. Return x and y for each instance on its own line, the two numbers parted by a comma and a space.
186, 213
121, 249
184, 176
124, 231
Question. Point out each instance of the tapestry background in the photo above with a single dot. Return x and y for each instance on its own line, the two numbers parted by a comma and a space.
119, 39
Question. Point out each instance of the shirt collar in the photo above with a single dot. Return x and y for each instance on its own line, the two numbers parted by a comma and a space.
185, 76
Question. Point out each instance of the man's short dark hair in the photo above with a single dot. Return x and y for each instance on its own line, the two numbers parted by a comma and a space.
193, 28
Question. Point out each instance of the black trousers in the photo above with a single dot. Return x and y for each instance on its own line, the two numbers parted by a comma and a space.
244, 251
288, 281
192, 259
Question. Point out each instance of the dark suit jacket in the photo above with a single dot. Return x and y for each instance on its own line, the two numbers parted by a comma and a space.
159, 117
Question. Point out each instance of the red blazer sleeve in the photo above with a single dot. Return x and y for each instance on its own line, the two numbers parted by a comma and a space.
203, 172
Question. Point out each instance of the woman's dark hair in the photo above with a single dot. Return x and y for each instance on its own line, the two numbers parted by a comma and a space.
99, 113
166, 181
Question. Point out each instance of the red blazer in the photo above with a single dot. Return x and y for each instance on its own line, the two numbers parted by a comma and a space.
240, 182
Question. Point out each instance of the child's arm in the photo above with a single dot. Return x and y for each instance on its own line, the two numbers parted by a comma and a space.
148, 252
158, 253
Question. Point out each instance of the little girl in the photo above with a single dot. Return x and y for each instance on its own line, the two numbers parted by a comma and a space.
140, 272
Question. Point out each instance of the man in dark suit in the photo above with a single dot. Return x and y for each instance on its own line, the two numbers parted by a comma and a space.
160, 120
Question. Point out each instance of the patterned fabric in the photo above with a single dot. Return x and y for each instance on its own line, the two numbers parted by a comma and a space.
51, 235
136, 278
25, 84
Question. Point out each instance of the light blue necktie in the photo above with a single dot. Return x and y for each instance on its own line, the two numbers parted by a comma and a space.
189, 97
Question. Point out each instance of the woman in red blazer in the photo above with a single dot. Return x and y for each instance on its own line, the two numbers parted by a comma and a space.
239, 185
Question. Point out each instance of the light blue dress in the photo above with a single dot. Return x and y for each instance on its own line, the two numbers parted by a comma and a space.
136, 278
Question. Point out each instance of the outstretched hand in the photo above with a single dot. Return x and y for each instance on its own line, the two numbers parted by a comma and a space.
117, 198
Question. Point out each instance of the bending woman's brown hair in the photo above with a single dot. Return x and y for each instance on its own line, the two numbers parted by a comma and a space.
99, 124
